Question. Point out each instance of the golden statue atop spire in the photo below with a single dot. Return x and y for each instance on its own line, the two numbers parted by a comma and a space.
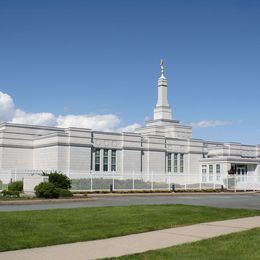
162, 66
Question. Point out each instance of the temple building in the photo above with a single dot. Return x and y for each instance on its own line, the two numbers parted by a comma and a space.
162, 145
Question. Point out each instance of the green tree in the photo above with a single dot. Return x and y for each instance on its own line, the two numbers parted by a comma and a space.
46, 190
15, 186
60, 180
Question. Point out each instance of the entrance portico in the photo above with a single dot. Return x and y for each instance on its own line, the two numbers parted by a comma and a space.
216, 169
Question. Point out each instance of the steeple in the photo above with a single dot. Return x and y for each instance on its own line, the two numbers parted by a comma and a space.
162, 109
162, 68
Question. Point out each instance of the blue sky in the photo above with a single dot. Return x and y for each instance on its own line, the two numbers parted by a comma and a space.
97, 62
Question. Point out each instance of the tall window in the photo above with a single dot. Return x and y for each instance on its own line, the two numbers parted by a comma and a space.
105, 160
181, 162
91, 159
204, 173
210, 172
113, 160
169, 162
175, 162
97, 160
218, 171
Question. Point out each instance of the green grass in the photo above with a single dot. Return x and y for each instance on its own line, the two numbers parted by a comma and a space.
239, 246
27, 229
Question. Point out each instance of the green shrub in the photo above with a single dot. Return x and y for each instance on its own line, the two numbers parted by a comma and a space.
15, 186
46, 190
3, 186
11, 193
60, 180
64, 193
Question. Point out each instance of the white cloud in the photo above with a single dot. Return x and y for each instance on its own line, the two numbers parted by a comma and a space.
129, 128
210, 123
7, 107
107, 122
22, 117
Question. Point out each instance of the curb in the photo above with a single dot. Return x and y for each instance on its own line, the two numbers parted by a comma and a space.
170, 194
46, 201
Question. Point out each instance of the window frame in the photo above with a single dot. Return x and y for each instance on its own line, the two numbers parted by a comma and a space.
97, 160
169, 162
105, 160
113, 157
181, 162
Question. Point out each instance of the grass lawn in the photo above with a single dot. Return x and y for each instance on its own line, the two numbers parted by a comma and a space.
27, 229
242, 246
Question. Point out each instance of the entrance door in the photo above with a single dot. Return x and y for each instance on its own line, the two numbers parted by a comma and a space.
241, 171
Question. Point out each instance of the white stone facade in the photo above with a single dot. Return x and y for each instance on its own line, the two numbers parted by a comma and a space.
162, 145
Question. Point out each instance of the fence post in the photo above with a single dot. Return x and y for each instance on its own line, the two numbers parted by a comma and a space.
235, 184
169, 181
152, 182
133, 187
185, 185
91, 182
114, 180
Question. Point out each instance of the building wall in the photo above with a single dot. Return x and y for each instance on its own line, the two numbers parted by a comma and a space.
69, 150
16, 158
156, 161
63, 159
80, 159
131, 160
46, 158
193, 165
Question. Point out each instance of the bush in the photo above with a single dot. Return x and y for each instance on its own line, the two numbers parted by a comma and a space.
46, 190
11, 193
64, 193
60, 180
15, 186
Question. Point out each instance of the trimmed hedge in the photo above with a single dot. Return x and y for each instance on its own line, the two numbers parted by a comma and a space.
63, 193
11, 194
46, 190
60, 180
15, 186
58, 186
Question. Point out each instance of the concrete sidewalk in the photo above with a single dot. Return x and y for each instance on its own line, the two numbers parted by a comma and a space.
135, 243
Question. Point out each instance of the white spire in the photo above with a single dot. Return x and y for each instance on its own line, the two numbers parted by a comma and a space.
162, 109
162, 68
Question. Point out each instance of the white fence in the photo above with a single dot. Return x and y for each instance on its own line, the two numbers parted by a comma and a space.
161, 181
139, 181
7, 176
107, 181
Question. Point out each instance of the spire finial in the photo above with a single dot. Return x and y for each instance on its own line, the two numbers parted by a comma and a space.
162, 67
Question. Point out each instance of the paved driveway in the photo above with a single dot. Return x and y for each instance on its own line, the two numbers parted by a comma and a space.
247, 201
